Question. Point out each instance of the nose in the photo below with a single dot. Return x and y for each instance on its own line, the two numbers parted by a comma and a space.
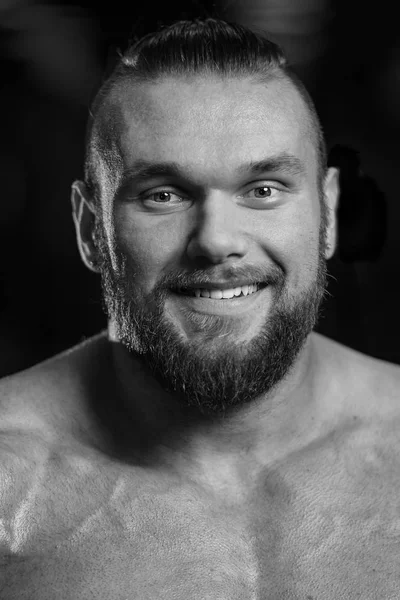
218, 232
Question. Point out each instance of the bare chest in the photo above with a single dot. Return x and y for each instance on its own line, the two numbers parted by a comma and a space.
305, 533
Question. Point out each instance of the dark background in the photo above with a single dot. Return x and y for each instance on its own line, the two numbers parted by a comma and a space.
52, 56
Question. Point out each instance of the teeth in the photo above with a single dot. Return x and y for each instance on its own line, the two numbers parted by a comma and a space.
217, 294
244, 290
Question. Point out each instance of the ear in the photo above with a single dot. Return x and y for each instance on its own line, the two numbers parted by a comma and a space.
84, 216
331, 198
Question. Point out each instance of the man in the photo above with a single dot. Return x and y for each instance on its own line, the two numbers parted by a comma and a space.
209, 445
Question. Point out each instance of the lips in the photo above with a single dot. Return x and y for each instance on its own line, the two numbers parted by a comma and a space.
236, 307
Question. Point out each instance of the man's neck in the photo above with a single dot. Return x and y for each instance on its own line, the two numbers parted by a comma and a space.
258, 434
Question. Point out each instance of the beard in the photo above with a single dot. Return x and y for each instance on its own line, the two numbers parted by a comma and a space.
215, 374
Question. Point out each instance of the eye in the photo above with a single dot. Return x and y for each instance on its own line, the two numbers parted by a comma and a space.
162, 197
260, 192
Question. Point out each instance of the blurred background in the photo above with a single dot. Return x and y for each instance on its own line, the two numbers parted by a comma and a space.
52, 59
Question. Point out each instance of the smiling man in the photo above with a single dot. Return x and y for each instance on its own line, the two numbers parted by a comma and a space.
213, 259
209, 444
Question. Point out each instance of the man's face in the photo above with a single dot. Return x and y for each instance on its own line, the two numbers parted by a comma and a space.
240, 205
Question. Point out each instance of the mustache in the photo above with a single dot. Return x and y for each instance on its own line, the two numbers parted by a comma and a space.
199, 277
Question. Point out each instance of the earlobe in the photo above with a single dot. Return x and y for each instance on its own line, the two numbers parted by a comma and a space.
84, 216
331, 198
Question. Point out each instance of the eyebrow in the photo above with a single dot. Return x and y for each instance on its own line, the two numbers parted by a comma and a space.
285, 163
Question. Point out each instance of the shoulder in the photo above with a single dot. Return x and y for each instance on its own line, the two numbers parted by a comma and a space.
366, 384
367, 423
42, 408
35, 397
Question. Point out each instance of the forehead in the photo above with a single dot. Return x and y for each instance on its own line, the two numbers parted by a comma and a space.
212, 125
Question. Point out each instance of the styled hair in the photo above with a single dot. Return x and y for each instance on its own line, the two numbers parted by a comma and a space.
186, 48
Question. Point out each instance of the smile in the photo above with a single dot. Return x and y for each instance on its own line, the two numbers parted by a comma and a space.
220, 302
226, 294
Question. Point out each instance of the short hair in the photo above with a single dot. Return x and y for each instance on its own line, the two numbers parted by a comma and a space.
190, 47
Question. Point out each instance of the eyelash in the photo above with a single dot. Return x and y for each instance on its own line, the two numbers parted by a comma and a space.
166, 191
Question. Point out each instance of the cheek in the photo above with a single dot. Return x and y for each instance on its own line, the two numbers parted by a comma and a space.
301, 249
148, 246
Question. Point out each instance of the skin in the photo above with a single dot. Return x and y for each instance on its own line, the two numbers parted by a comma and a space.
121, 490
220, 225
